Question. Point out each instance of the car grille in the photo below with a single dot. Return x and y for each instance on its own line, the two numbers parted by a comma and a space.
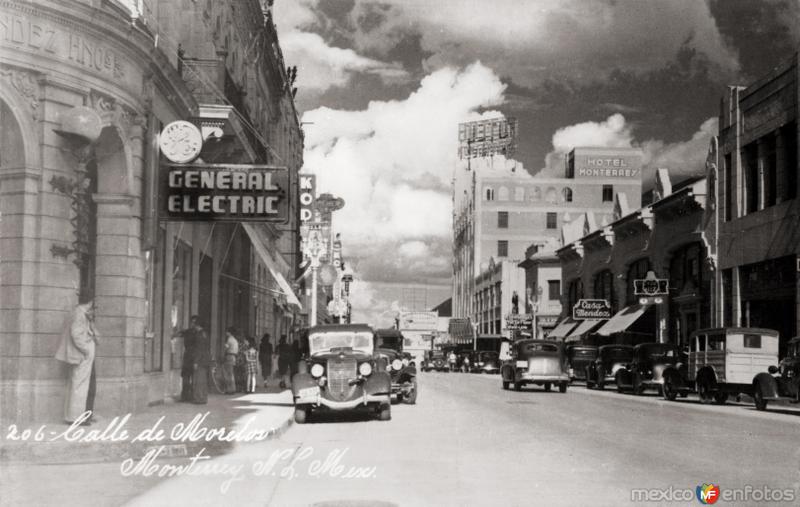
340, 372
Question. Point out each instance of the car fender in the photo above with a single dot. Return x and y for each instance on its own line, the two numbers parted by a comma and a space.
378, 383
623, 376
302, 381
707, 372
767, 384
407, 376
409, 371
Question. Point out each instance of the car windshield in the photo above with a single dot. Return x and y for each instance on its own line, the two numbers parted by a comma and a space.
324, 342
536, 347
659, 351
617, 353
388, 342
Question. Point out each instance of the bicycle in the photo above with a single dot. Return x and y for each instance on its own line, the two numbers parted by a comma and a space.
217, 374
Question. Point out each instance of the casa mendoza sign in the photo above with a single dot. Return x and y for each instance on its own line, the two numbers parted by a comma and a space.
224, 192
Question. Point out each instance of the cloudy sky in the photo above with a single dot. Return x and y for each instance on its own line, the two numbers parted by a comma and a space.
383, 85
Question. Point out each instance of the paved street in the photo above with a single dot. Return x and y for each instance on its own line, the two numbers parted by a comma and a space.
467, 442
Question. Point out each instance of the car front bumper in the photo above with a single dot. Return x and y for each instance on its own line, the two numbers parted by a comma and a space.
532, 377
321, 401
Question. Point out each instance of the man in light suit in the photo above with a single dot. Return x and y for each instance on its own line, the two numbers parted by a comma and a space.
77, 349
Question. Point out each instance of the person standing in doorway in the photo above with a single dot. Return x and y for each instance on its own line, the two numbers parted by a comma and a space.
284, 358
231, 352
265, 357
189, 336
201, 356
77, 348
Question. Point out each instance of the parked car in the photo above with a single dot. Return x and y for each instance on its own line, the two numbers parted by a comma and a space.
610, 358
435, 360
400, 364
485, 361
579, 356
341, 372
540, 362
781, 383
726, 362
646, 369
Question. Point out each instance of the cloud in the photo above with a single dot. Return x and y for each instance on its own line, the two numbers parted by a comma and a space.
321, 66
683, 159
392, 163
580, 39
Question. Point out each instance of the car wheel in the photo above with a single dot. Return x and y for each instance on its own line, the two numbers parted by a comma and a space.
669, 390
411, 398
704, 391
385, 412
601, 383
300, 415
548, 386
758, 397
505, 385
720, 398
562, 388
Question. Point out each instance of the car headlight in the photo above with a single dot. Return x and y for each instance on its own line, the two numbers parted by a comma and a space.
405, 361
365, 369
317, 370
397, 364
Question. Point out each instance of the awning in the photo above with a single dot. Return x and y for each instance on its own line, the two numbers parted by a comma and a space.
622, 320
286, 289
583, 328
458, 331
563, 328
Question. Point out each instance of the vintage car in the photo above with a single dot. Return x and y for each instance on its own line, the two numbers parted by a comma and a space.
781, 383
435, 360
610, 358
341, 372
540, 362
400, 365
580, 356
726, 362
485, 361
646, 369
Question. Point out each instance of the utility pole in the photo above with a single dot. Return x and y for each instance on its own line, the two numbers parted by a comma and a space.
315, 249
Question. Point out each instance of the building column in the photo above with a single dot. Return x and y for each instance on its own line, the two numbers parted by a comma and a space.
761, 176
780, 163
736, 301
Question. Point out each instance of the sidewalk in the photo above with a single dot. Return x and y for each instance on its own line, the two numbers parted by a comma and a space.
268, 410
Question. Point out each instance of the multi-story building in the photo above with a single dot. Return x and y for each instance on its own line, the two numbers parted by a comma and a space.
499, 291
669, 238
85, 89
499, 209
755, 190
542, 288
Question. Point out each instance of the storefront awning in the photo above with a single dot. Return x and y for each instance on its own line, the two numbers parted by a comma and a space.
563, 328
258, 244
622, 320
583, 328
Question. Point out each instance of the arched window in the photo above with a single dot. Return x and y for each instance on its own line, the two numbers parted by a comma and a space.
636, 271
519, 194
489, 193
567, 194
604, 287
502, 194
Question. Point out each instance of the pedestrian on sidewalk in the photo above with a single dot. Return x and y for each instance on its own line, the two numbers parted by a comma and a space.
189, 336
77, 348
202, 360
241, 363
251, 356
451, 359
284, 358
296, 355
231, 352
265, 357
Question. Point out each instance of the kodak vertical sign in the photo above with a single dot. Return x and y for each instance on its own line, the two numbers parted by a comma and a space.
308, 195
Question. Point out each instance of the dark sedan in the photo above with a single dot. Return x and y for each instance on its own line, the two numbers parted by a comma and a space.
610, 358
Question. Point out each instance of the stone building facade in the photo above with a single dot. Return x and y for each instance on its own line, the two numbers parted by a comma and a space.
85, 88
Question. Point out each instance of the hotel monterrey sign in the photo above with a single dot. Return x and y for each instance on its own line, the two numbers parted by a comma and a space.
224, 192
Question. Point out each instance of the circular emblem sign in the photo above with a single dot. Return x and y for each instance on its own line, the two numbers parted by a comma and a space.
180, 141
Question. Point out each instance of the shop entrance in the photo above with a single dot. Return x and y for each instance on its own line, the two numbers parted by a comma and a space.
768, 297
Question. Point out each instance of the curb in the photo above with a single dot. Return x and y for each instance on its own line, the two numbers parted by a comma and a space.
68, 453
